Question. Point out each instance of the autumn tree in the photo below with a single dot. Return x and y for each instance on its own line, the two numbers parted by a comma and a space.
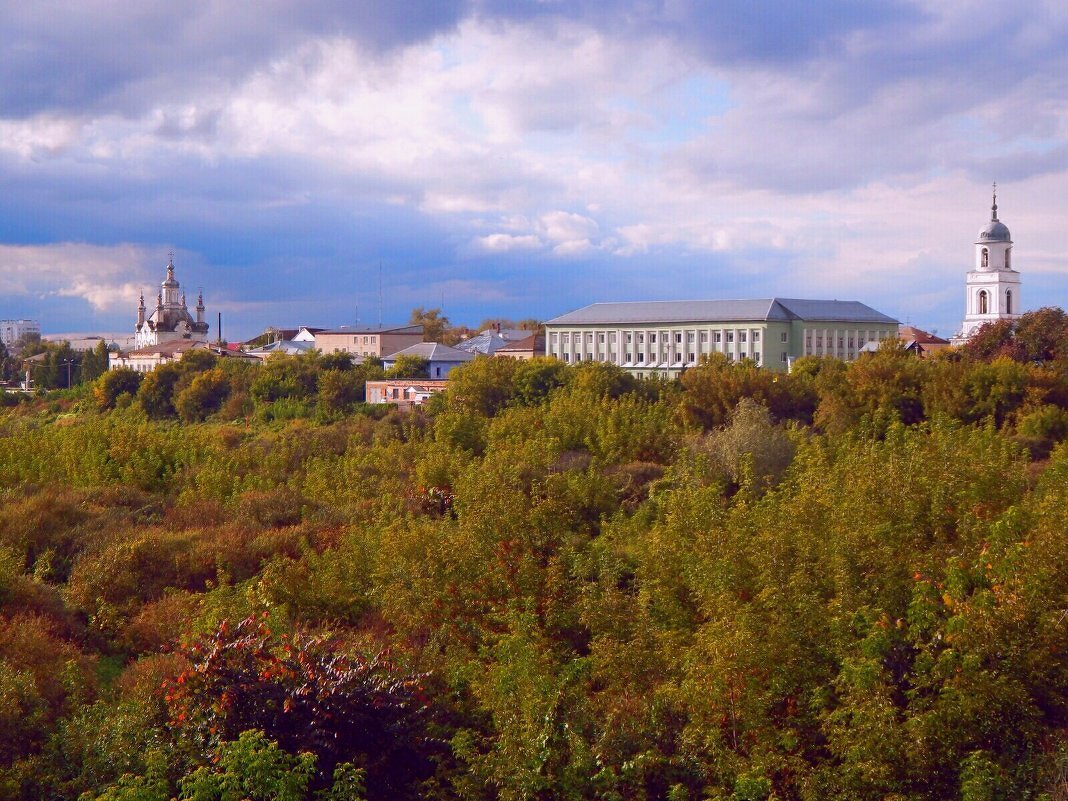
435, 324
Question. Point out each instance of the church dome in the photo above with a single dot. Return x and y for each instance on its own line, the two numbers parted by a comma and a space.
995, 230
169, 282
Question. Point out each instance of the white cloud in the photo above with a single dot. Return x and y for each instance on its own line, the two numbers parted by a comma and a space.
107, 278
502, 243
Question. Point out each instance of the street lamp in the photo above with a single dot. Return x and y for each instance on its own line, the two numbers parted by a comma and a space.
68, 362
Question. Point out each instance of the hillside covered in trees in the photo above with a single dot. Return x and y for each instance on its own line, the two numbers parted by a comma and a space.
224, 581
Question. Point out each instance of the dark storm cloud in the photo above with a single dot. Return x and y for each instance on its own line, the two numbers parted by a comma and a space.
122, 55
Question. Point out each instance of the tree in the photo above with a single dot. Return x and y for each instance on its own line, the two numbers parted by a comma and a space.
94, 363
535, 378
156, 394
482, 386
114, 384
203, 397
309, 694
435, 324
1041, 336
409, 367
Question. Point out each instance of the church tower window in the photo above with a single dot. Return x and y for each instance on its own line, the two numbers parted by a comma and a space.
1008, 260
982, 302
1008, 301
986, 258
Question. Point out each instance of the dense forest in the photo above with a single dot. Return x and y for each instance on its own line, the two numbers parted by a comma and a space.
224, 581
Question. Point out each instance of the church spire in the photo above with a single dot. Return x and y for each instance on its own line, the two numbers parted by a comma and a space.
994, 207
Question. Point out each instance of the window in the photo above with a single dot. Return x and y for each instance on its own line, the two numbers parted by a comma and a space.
641, 339
784, 337
629, 358
437, 372
612, 338
757, 357
600, 338
589, 339
1008, 297
742, 335
652, 337
782, 358
554, 339
1008, 262
756, 336
704, 337
566, 337
730, 336
851, 343
567, 357
689, 336
985, 258
678, 337
693, 357
841, 342
719, 337
365, 340
374, 340
982, 300
630, 338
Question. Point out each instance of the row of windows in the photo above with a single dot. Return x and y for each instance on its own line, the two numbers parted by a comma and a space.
652, 358
677, 337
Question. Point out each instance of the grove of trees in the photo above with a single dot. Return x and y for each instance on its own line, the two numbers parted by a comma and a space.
223, 581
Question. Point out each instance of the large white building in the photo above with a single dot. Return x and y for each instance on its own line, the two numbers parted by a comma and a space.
11, 331
662, 338
170, 320
992, 290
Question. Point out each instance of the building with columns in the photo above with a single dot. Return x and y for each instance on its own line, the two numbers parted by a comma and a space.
662, 338
992, 289
170, 319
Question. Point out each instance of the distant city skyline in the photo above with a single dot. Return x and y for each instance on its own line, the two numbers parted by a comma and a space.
523, 159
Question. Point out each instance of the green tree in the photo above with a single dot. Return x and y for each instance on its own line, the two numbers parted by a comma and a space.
409, 367
435, 324
203, 397
156, 394
114, 384
94, 363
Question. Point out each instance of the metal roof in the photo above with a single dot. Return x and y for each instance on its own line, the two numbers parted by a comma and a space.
371, 329
433, 352
699, 311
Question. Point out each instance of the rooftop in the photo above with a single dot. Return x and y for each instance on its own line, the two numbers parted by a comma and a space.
694, 311
433, 352
371, 329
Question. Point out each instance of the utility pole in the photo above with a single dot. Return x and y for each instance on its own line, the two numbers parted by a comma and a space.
68, 362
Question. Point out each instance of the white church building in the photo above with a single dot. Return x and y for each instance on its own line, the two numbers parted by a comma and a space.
170, 320
993, 287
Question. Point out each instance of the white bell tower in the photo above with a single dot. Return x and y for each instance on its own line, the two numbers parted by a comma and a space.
993, 287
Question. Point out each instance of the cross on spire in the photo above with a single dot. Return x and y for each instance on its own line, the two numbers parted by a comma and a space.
994, 208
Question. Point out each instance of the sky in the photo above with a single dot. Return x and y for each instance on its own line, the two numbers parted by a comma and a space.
331, 162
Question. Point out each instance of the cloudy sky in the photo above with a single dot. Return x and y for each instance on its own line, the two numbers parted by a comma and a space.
523, 158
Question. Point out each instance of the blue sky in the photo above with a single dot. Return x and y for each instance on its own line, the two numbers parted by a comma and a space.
523, 159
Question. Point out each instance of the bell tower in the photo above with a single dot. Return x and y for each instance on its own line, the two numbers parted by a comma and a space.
992, 290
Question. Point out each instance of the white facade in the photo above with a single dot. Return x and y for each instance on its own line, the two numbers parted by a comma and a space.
11, 331
664, 338
992, 289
